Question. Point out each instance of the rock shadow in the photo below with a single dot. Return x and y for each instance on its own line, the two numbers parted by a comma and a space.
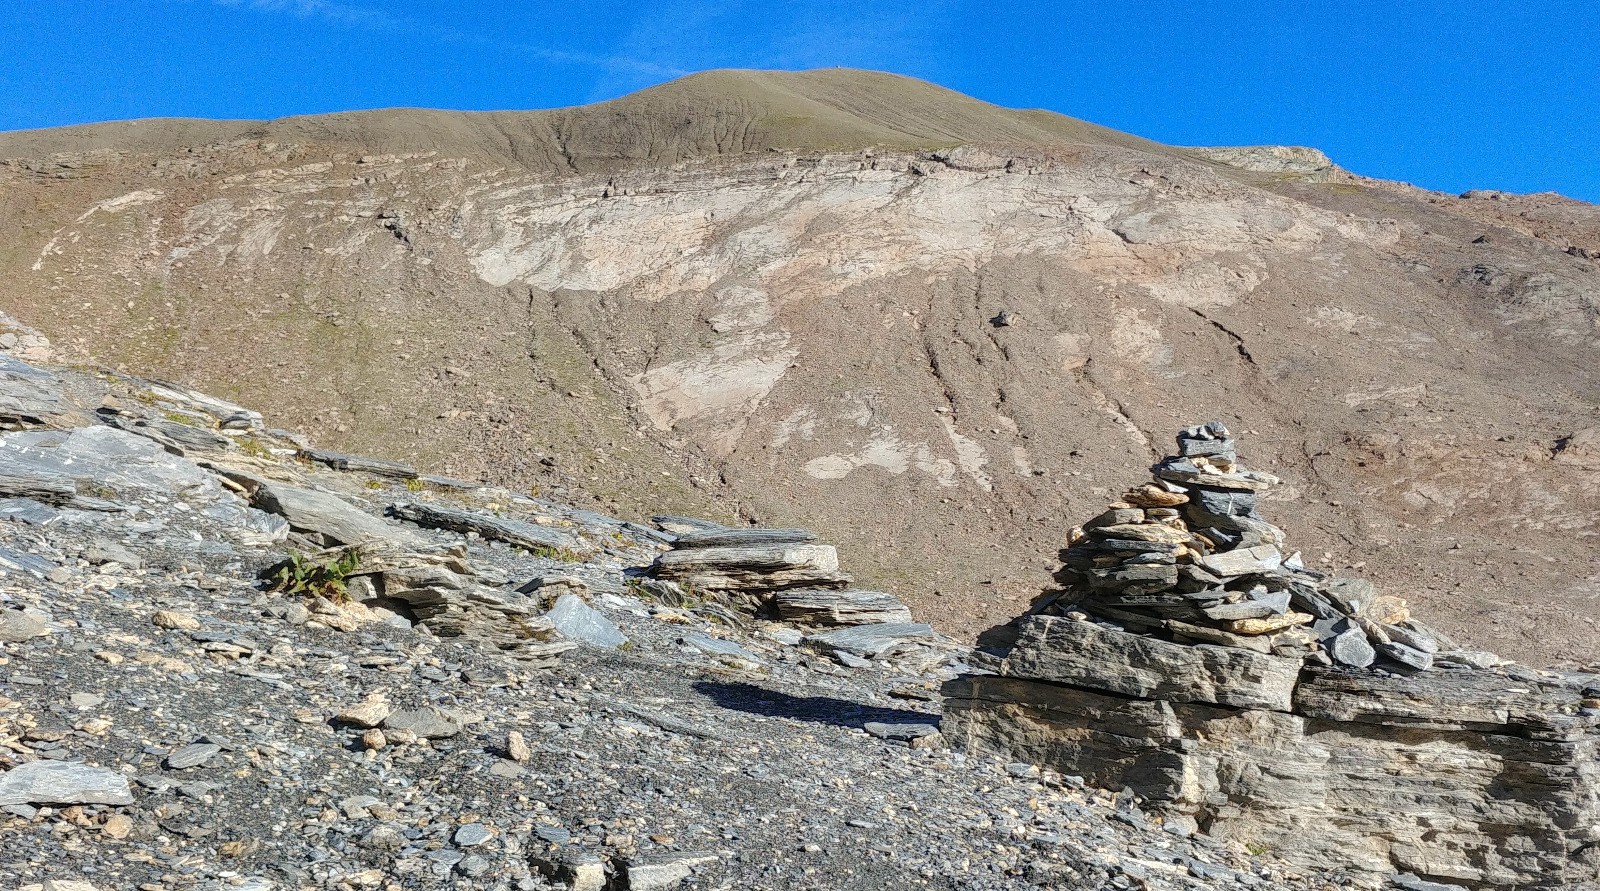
741, 697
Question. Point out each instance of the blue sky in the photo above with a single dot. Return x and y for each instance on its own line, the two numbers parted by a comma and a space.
1445, 95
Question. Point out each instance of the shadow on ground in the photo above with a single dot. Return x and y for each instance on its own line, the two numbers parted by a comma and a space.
756, 700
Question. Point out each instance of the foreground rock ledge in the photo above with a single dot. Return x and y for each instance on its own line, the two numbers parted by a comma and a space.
1485, 778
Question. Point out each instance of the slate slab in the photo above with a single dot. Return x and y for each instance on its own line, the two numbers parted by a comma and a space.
63, 782
577, 620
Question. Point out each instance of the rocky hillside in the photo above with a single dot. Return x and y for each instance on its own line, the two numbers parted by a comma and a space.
930, 328
456, 686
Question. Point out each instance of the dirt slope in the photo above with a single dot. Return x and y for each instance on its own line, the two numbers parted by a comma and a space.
769, 296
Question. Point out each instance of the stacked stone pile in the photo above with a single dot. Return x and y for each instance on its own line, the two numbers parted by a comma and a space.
1189, 557
747, 566
785, 573
1239, 693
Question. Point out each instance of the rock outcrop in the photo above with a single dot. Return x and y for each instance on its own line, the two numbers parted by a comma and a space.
480, 690
1174, 665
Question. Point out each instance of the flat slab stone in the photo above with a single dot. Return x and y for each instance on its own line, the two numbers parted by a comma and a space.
192, 755
650, 872
16, 627
684, 525
870, 641
427, 722
715, 646
63, 782
900, 732
763, 568
329, 515
28, 394
1083, 654
1262, 558
820, 606
576, 620
1485, 701
489, 526
99, 458
718, 538
360, 464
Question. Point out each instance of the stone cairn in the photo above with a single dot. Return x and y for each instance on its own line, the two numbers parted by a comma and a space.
1189, 557
1237, 693
782, 573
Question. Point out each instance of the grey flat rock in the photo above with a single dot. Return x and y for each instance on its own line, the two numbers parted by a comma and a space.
732, 538
194, 755
870, 641
577, 620
16, 627
650, 872
427, 722
713, 646
101, 458
900, 732
1351, 648
63, 782
1263, 558
29, 511
820, 606
684, 525
489, 526
330, 515
360, 464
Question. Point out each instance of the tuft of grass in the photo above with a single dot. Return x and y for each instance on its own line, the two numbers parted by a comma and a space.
561, 555
178, 417
255, 448
414, 485
317, 575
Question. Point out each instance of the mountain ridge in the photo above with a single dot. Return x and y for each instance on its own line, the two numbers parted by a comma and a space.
830, 109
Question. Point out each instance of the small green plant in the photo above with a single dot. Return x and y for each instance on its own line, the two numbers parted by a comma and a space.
255, 448
559, 554
374, 484
414, 485
1256, 849
178, 417
317, 575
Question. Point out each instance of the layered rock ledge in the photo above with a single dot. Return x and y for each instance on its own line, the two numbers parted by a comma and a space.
1481, 778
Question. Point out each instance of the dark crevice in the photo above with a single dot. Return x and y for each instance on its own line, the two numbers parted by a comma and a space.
1238, 342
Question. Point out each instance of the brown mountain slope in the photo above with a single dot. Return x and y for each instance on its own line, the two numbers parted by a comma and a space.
702, 115
714, 296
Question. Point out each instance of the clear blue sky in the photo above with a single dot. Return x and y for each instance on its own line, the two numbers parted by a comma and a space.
1451, 96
